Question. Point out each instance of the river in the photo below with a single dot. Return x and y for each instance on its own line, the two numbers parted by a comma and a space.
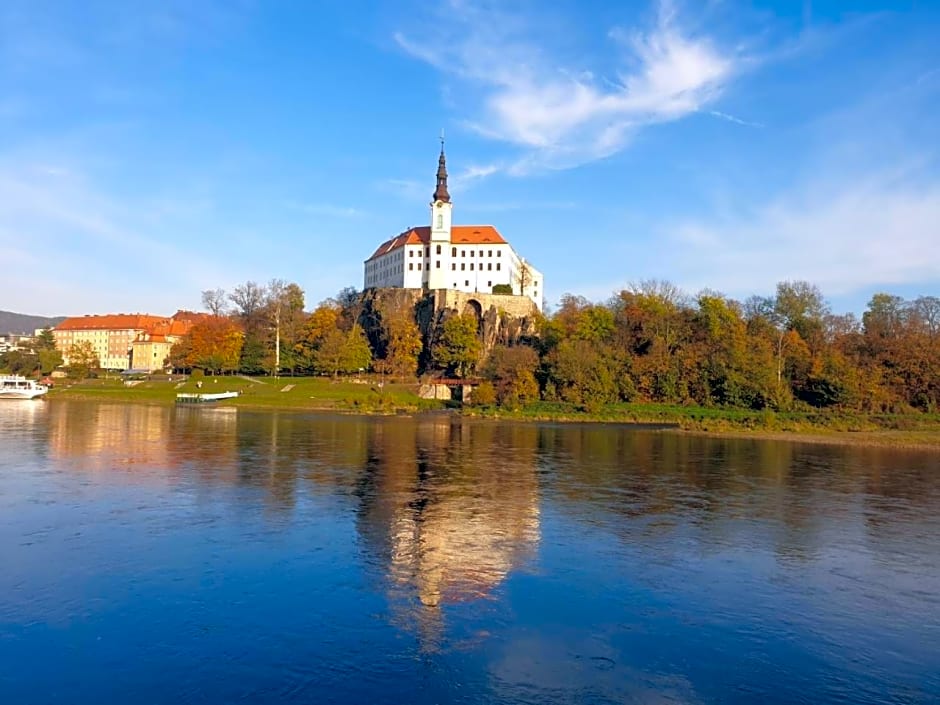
207, 555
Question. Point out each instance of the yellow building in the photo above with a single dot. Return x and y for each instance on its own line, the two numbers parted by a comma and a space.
123, 340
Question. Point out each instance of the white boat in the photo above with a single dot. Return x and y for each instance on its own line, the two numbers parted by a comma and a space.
16, 387
184, 398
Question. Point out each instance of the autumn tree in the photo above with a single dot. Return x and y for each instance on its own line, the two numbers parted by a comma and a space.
457, 347
215, 344
399, 342
323, 320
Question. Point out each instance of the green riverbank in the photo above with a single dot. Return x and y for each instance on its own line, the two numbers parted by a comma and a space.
372, 396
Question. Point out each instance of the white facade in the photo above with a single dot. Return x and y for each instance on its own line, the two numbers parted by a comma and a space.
468, 258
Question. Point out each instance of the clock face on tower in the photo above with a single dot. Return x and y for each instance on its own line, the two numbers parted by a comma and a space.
439, 203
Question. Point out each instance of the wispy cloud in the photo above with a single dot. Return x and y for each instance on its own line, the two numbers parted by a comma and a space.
731, 118
563, 116
69, 236
330, 210
876, 229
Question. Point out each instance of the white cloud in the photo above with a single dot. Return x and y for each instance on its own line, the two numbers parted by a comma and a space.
564, 116
844, 235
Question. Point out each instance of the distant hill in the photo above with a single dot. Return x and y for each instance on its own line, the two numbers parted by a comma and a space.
21, 323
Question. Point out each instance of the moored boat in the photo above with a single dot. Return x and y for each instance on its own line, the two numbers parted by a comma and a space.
17, 387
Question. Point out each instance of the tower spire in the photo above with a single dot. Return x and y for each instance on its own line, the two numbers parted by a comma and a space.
440, 193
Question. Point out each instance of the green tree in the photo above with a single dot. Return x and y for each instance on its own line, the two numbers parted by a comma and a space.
457, 348
49, 359
581, 374
82, 359
341, 351
45, 340
19, 362
512, 372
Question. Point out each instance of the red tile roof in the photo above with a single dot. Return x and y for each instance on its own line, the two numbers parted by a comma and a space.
114, 321
154, 325
459, 235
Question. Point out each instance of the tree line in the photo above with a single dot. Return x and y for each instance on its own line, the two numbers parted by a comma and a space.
648, 342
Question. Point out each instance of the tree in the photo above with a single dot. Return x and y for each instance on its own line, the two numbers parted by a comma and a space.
82, 359
49, 359
581, 374
343, 352
400, 339
45, 340
283, 302
349, 301
215, 344
19, 362
502, 288
323, 320
523, 276
214, 301
249, 300
457, 348
512, 372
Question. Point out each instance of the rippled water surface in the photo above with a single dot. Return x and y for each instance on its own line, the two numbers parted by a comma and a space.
160, 555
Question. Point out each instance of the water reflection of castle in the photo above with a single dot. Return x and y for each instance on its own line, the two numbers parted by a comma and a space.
449, 509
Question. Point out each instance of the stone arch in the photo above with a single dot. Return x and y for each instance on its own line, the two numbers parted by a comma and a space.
474, 308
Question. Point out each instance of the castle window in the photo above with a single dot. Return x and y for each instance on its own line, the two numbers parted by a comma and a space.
440, 222
497, 266
463, 266
411, 266
453, 251
411, 253
490, 253
419, 266
455, 285
438, 249
471, 253
453, 266
427, 251
437, 264
489, 265
466, 282
463, 253
481, 253
499, 253
489, 283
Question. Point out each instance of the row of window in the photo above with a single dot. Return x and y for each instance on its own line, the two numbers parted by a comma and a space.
453, 266
453, 252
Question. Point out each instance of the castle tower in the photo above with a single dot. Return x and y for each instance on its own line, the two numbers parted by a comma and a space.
438, 263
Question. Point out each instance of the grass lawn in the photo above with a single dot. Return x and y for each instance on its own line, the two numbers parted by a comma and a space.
369, 395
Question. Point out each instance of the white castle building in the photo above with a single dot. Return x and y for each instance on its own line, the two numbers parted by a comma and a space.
469, 258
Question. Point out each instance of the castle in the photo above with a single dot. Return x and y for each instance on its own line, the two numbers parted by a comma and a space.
443, 256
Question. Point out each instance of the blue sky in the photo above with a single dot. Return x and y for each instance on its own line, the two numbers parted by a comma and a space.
149, 150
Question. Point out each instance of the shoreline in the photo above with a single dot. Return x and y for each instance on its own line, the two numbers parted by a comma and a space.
915, 439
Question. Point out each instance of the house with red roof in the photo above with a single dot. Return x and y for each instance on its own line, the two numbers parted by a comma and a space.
125, 340
468, 258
